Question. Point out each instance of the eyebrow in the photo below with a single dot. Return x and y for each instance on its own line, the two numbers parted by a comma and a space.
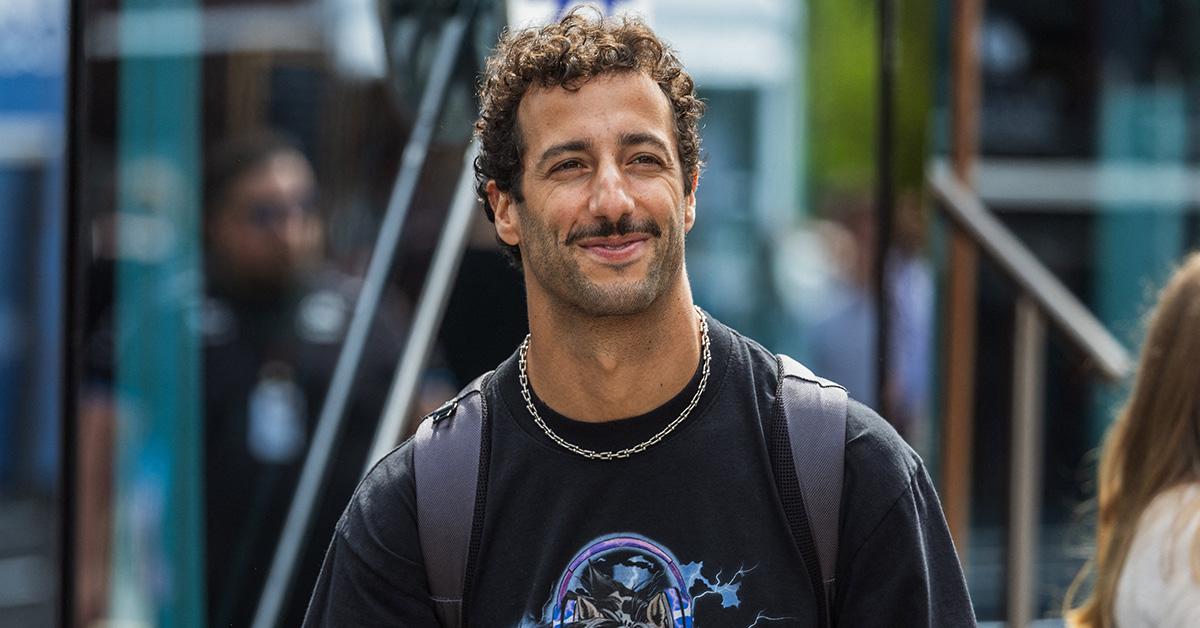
633, 139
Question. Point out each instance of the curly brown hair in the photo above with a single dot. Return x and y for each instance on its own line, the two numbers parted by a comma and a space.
569, 53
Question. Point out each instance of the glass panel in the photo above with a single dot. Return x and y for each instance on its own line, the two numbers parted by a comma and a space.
33, 77
238, 160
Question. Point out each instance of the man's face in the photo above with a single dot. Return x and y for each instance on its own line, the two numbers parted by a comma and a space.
604, 217
265, 230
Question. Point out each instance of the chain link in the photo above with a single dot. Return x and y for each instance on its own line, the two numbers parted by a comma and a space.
638, 448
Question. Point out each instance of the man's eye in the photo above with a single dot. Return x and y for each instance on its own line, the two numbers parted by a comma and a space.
569, 164
647, 159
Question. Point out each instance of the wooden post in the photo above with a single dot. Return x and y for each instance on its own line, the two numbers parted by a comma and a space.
958, 387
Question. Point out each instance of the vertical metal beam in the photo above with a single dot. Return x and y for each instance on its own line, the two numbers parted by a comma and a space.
1025, 470
312, 474
958, 387
884, 201
74, 260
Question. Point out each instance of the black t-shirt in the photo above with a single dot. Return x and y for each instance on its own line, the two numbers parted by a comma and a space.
693, 526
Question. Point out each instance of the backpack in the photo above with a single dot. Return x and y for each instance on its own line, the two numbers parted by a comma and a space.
806, 442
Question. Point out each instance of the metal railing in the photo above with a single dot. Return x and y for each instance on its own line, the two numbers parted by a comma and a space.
452, 41
1043, 299
396, 419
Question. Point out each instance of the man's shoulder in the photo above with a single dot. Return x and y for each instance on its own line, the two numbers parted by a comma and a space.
880, 465
872, 442
390, 483
392, 469
385, 496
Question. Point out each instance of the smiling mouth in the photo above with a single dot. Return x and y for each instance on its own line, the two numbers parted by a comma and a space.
615, 250
613, 246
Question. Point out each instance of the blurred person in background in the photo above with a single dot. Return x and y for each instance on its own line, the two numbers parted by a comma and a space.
272, 323
843, 338
1146, 568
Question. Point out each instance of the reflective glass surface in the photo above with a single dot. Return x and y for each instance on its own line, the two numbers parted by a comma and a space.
33, 137
237, 161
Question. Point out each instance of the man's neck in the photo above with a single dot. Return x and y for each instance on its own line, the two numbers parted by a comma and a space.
600, 369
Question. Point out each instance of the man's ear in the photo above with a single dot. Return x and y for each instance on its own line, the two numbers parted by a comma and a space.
689, 203
508, 226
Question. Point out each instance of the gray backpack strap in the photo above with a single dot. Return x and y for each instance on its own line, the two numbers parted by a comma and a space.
815, 409
446, 465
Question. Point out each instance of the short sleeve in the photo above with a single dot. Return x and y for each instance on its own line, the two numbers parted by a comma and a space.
897, 565
373, 574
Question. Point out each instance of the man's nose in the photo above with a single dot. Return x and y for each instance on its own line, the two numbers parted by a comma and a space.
611, 196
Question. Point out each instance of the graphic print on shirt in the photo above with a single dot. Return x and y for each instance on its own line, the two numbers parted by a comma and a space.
630, 581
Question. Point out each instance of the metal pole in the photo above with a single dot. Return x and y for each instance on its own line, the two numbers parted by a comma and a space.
1025, 472
958, 389
74, 260
312, 475
429, 312
885, 202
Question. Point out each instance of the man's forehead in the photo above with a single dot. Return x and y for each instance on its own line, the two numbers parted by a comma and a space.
572, 89
547, 108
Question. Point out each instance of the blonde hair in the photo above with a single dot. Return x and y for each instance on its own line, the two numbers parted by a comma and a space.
1153, 446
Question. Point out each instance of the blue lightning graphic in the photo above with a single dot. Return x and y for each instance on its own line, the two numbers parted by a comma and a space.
762, 617
727, 589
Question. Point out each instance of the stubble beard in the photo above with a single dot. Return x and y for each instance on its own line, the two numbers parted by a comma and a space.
558, 270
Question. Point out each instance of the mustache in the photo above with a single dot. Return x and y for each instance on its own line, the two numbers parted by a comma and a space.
605, 228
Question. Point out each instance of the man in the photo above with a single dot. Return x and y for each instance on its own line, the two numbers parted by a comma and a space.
628, 480
273, 319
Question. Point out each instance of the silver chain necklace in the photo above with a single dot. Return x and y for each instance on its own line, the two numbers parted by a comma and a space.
638, 448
